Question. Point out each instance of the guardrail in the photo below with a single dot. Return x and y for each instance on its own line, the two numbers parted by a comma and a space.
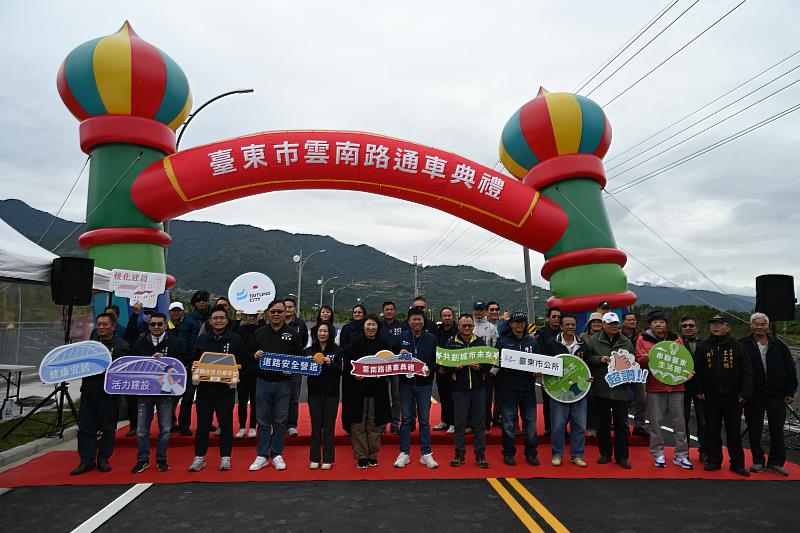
26, 343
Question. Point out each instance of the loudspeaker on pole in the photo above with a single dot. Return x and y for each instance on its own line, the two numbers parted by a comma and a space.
71, 280
775, 296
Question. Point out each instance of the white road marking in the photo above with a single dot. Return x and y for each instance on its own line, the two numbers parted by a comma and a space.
104, 514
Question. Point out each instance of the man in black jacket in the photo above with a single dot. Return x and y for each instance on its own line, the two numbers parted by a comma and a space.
299, 328
215, 398
444, 332
724, 379
98, 411
188, 333
543, 336
774, 387
158, 343
690, 336
273, 389
390, 331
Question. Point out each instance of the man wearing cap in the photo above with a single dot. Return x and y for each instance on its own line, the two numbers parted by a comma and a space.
175, 318
774, 387
609, 401
724, 379
518, 392
544, 335
603, 307
488, 332
662, 397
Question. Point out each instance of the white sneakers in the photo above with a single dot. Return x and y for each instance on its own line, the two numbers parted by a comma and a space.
218, 431
402, 460
428, 461
260, 463
241, 433
313, 465
278, 463
451, 430
225, 463
292, 432
251, 433
198, 464
327, 466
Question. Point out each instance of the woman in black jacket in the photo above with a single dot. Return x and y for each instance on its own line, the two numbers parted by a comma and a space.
325, 314
323, 396
367, 402
350, 331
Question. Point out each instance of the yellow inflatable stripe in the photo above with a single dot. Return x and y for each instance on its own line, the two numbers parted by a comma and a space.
183, 114
512, 166
565, 115
112, 72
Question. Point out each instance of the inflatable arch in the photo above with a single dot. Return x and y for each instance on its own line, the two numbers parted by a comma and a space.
131, 97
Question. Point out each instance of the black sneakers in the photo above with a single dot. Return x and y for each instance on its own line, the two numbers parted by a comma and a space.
458, 460
82, 469
481, 461
104, 466
362, 463
163, 466
140, 467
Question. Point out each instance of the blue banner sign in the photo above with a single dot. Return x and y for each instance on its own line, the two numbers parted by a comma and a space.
295, 364
74, 361
150, 376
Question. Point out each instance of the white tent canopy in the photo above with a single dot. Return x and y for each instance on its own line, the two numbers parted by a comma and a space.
22, 260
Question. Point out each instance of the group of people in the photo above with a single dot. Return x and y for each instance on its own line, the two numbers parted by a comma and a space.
756, 373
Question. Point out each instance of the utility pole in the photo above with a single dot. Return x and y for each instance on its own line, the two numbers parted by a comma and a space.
416, 279
526, 258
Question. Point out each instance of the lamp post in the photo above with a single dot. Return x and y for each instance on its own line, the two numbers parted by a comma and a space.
180, 136
322, 282
301, 261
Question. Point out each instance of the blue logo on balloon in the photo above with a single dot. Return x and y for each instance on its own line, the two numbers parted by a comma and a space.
241, 295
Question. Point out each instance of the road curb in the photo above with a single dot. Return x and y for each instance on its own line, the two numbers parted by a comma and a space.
30, 449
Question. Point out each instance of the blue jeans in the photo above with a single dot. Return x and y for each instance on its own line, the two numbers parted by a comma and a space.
525, 401
272, 413
163, 405
576, 412
415, 401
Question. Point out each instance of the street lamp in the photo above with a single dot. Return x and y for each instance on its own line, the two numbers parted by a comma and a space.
180, 136
322, 282
301, 261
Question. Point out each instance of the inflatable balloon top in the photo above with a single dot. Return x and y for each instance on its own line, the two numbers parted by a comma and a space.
121, 74
551, 125
131, 97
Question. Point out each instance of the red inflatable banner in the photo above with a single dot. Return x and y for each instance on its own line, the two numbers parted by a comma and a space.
289, 160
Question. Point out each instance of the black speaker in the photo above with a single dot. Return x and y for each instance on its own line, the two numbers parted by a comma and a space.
775, 296
71, 280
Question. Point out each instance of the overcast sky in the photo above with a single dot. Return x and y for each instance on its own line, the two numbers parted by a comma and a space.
449, 75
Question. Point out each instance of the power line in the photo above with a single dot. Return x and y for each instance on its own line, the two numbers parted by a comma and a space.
656, 36
676, 52
65, 200
435, 242
121, 177
702, 151
671, 247
640, 163
624, 47
715, 100
449, 244
706, 302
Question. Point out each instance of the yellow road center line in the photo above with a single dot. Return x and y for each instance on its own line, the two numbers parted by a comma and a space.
538, 506
521, 513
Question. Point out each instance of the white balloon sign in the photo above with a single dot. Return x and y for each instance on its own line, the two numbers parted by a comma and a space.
251, 292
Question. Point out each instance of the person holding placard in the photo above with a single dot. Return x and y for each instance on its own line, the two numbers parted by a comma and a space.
323, 396
567, 342
98, 410
725, 381
158, 343
367, 404
273, 389
215, 398
469, 394
518, 392
663, 397
446, 330
610, 402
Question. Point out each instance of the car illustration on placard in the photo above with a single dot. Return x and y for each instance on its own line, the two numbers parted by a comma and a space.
215, 367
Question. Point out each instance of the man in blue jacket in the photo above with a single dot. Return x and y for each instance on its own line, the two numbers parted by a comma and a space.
415, 391
189, 331
518, 392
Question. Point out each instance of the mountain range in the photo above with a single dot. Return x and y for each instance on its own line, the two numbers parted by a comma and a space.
210, 255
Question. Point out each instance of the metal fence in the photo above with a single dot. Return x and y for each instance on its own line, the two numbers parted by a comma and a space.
26, 343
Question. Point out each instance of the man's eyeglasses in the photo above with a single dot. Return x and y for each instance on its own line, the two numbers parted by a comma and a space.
494, 309
219, 318
157, 324
557, 317
467, 325
688, 325
276, 311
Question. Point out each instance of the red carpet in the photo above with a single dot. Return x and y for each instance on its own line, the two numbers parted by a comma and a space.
53, 468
